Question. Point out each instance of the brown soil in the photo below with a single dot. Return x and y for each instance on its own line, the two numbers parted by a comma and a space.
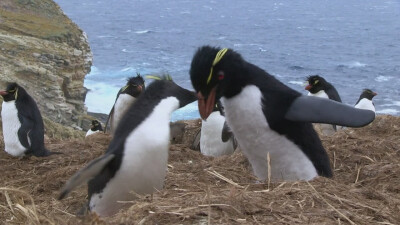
200, 190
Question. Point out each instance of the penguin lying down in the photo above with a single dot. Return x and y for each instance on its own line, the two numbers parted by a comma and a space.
94, 128
23, 127
136, 159
268, 117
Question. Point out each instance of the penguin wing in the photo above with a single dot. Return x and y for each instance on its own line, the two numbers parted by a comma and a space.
226, 133
23, 132
86, 174
109, 119
318, 110
333, 94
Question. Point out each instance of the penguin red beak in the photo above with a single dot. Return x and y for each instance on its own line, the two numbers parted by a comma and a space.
2, 93
308, 87
140, 88
374, 94
206, 106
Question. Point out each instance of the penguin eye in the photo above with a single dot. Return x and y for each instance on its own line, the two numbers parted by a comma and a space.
221, 75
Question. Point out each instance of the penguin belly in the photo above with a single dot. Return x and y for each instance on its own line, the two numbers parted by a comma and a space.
256, 138
365, 104
144, 162
211, 143
122, 104
11, 125
90, 132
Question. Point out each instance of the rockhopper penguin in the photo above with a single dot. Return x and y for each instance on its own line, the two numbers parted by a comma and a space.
94, 128
23, 127
365, 100
125, 97
319, 87
136, 159
267, 116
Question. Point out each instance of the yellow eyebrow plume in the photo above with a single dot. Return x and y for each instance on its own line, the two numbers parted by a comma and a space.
218, 58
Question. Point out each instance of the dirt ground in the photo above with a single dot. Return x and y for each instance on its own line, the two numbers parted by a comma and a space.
201, 190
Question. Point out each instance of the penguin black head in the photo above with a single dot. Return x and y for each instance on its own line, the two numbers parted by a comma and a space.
13, 92
96, 126
134, 86
316, 83
368, 94
160, 89
212, 71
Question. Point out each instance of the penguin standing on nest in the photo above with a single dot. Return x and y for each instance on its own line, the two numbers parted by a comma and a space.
216, 138
319, 87
267, 117
136, 159
125, 97
365, 100
94, 128
23, 127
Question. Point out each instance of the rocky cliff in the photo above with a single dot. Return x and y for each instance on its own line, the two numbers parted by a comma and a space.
49, 55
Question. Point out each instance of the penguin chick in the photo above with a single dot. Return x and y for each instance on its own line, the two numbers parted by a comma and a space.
216, 138
23, 127
266, 116
365, 100
136, 159
94, 128
125, 97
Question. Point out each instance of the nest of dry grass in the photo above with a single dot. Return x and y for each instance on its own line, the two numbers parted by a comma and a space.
200, 189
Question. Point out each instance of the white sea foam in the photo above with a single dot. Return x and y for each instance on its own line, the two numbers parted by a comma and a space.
190, 111
383, 78
356, 65
142, 31
394, 103
300, 83
101, 96
388, 111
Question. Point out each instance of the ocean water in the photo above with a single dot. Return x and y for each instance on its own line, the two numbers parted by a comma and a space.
354, 44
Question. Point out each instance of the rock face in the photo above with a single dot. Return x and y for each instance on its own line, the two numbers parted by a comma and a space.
45, 52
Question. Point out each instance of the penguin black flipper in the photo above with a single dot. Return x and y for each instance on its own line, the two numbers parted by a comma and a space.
23, 132
333, 94
318, 110
85, 174
110, 115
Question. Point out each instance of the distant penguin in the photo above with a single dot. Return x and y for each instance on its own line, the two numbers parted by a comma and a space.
94, 128
266, 116
136, 159
365, 100
23, 127
125, 97
214, 140
319, 87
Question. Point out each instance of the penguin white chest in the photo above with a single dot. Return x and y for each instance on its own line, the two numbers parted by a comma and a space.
211, 143
365, 104
246, 119
90, 132
320, 94
144, 161
11, 125
122, 104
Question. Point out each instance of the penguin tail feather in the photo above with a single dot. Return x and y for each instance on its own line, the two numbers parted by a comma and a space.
85, 174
